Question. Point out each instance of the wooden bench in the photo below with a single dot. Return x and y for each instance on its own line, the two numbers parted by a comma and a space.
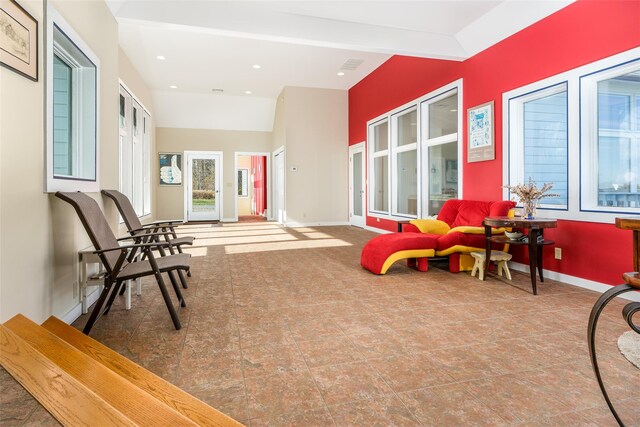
82, 382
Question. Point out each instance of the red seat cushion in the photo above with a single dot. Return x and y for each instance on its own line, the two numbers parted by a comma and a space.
378, 249
472, 212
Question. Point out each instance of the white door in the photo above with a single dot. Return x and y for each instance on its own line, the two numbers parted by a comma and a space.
278, 186
203, 198
356, 185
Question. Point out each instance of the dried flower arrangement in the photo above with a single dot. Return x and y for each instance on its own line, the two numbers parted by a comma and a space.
530, 195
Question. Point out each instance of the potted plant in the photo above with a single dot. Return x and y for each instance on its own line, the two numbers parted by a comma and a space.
529, 196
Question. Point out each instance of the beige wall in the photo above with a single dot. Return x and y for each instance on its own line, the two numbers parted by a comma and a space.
312, 124
170, 200
244, 203
40, 235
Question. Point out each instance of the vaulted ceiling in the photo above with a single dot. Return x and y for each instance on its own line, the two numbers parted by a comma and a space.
212, 49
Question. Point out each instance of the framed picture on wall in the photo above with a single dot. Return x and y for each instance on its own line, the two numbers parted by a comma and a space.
170, 168
18, 39
480, 131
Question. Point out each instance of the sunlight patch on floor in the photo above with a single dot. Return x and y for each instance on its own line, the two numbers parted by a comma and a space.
241, 240
285, 246
195, 251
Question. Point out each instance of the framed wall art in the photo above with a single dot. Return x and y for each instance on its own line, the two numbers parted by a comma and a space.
170, 168
480, 130
18, 40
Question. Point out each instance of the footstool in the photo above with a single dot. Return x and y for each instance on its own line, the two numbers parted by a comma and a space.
499, 257
382, 251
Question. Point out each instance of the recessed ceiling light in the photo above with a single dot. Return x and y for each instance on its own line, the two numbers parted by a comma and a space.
173, 87
160, 57
256, 66
340, 73
248, 92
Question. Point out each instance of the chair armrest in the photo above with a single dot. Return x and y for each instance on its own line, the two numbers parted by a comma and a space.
468, 229
141, 235
127, 247
168, 222
431, 226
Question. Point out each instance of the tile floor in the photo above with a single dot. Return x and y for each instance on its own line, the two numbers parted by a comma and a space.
283, 327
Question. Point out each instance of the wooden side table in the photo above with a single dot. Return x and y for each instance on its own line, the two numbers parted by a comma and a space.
536, 229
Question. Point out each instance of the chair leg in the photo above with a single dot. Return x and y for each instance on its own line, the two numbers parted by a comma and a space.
167, 300
96, 309
116, 291
506, 270
183, 279
176, 288
481, 271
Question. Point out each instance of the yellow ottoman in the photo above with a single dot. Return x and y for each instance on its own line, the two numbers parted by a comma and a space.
499, 257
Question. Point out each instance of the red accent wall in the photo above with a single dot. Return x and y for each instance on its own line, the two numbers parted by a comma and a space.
581, 33
259, 166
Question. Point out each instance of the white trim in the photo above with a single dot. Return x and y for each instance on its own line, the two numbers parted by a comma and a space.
76, 311
272, 212
130, 92
377, 230
52, 184
575, 281
185, 173
353, 149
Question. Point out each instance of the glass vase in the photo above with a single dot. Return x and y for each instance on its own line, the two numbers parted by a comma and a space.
529, 209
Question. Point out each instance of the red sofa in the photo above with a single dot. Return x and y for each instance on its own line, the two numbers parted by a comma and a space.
458, 229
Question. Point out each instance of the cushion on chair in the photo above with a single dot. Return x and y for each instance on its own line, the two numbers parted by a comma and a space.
391, 247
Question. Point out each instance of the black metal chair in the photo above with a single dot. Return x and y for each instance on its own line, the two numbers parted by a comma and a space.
119, 261
632, 283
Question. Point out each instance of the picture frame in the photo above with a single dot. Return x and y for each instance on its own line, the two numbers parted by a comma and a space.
170, 168
18, 40
480, 132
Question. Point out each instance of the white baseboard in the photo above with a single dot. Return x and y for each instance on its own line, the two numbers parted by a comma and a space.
377, 230
315, 224
229, 220
73, 314
575, 281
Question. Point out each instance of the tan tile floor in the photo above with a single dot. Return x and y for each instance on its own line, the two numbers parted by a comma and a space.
283, 327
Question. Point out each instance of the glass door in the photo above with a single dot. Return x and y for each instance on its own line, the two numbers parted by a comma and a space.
203, 197
356, 185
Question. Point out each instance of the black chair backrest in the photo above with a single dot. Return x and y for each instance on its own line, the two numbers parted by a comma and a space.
95, 224
125, 208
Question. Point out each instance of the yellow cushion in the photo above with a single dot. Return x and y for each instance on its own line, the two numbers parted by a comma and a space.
476, 230
431, 226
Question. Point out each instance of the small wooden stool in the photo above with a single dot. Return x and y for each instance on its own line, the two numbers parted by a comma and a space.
498, 256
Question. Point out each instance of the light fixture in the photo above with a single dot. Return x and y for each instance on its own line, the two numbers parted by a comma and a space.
160, 58
256, 67
173, 87
248, 92
340, 73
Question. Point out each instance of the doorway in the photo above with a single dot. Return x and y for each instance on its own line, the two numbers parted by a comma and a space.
356, 185
252, 186
278, 186
203, 198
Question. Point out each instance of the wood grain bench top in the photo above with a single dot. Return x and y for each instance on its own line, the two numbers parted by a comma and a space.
170, 395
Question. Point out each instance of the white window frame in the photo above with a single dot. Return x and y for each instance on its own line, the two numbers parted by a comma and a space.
144, 136
374, 155
575, 129
589, 133
392, 150
393, 161
516, 138
81, 123
426, 142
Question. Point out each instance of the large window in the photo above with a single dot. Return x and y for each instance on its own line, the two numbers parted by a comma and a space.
135, 152
579, 130
72, 99
413, 156
539, 140
612, 136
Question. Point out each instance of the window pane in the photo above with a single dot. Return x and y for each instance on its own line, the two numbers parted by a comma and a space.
357, 184
381, 136
619, 141
122, 111
545, 144
381, 174
613, 110
407, 182
443, 175
443, 117
62, 136
407, 128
